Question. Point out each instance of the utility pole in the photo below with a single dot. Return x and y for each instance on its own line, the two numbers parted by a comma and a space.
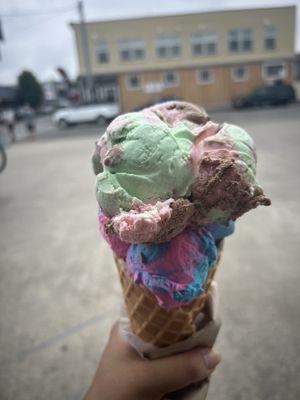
1, 37
88, 84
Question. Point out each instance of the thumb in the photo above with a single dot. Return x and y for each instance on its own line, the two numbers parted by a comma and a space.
180, 370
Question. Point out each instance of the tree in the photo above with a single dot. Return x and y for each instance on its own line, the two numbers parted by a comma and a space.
29, 90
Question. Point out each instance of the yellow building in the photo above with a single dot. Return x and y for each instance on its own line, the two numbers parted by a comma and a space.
206, 58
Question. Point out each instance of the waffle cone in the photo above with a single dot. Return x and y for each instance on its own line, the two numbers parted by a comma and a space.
152, 323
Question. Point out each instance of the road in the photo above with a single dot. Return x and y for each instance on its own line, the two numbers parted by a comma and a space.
59, 292
46, 129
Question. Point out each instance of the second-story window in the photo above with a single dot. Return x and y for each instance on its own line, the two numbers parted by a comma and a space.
240, 40
270, 38
131, 49
168, 46
101, 51
204, 43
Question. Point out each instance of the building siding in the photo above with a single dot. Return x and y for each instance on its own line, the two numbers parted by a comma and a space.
219, 93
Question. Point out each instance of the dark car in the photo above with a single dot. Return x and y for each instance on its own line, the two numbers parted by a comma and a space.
279, 93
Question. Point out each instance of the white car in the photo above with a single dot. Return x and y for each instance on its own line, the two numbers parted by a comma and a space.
99, 113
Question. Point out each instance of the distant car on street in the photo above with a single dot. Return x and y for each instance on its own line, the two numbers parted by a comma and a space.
98, 113
279, 93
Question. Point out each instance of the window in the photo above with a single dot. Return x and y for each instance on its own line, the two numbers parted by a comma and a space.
204, 43
101, 52
270, 38
240, 40
131, 49
239, 73
133, 82
106, 93
273, 71
168, 46
205, 76
170, 78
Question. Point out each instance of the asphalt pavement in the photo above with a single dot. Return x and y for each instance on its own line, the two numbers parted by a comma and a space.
59, 291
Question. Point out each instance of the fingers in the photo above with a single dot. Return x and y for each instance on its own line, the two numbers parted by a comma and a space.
175, 372
166, 374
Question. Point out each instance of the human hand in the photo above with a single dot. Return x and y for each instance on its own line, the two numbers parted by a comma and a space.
123, 375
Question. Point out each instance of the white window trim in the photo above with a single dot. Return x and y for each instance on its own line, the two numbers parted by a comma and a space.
273, 36
234, 78
200, 82
168, 42
269, 64
130, 46
177, 79
204, 41
127, 84
100, 46
240, 39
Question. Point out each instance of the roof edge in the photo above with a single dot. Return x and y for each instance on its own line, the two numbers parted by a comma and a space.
142, 16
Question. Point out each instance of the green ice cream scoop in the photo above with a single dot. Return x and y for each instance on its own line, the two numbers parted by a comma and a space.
146, 161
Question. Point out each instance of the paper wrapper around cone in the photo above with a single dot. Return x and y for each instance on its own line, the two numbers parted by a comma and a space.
152, 323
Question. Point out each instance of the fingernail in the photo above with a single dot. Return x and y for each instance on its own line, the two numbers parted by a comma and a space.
211, 359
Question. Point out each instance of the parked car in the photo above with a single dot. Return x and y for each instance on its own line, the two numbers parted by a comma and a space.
279, 93
98, 113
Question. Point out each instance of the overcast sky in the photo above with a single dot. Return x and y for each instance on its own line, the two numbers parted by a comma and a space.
43, 42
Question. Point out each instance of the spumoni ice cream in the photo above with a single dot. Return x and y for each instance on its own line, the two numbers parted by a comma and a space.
168, 167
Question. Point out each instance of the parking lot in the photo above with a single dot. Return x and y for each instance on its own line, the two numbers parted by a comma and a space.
59, 291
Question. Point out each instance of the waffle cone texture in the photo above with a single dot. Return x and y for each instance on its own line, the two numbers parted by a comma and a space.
152, 323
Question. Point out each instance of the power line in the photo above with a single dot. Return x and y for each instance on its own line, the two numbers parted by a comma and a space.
41, 21
39, 12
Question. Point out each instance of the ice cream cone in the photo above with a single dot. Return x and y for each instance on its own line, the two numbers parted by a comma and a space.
152, 323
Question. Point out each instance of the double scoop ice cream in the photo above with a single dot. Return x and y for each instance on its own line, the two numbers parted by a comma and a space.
170, 184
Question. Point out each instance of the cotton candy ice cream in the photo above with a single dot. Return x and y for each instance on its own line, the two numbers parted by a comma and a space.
220, 231
168, 167
173, 271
